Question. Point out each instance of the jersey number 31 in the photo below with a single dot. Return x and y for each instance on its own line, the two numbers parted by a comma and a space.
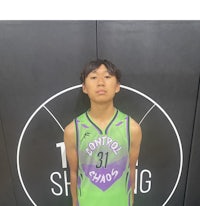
103, 159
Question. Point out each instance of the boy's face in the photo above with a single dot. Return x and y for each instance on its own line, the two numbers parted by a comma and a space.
100, 86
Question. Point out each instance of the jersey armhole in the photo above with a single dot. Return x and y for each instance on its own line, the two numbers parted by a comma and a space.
76, 133
128, 132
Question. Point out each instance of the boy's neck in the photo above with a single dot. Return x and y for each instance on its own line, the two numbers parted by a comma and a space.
102, 112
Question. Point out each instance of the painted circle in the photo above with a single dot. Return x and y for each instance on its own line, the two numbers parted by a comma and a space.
124, 87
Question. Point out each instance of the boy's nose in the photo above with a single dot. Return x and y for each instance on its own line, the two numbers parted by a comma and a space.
100, 81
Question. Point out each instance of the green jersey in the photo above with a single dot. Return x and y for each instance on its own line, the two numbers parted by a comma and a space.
103, 167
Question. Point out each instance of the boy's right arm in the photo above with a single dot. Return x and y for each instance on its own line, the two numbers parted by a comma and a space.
71, 152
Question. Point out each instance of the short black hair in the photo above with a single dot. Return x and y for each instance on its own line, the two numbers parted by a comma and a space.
94, 64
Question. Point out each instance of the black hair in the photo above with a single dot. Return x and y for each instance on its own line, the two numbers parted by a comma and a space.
94, 64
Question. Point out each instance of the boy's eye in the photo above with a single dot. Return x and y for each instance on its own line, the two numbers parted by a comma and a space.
93, 77
107, 76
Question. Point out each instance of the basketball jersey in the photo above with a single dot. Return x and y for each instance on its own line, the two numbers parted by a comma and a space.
103, 167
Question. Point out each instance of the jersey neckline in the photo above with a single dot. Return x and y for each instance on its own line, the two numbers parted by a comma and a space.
102, 131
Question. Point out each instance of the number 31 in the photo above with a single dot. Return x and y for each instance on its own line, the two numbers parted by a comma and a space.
103, 158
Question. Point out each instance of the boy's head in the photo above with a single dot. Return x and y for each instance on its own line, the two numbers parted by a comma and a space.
95, 64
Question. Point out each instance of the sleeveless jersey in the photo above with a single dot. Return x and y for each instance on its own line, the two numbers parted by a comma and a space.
103, 167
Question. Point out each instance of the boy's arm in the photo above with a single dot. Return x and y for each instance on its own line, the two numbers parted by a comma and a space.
135, 141
71, 152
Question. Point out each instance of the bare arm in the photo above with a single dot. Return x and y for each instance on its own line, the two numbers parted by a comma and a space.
71, 152
135, 141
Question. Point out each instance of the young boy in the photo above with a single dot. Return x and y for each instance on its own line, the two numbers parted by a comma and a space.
102, 144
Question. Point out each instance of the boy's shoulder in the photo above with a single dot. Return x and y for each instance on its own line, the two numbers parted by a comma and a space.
121, 114
81, 117
133, 123
69, 129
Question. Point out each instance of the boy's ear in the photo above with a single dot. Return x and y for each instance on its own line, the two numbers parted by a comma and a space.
84, 88
117, 88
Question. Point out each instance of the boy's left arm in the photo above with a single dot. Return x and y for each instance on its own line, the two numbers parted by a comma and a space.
135, 141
